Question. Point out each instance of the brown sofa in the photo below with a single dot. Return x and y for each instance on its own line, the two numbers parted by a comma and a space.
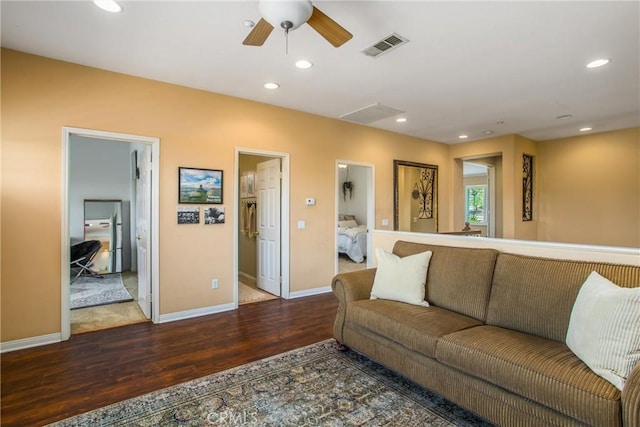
493, 338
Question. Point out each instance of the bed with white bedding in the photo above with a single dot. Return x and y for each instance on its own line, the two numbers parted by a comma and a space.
352, 240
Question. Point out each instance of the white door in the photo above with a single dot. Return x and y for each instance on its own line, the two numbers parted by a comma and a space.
268, 224
143, 224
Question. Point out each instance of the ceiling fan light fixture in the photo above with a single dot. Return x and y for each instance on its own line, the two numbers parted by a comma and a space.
289, 14
108, 5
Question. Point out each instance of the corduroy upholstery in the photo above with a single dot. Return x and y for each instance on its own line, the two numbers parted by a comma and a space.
539, 369
514, 369
536, 295
415, 327
458, 279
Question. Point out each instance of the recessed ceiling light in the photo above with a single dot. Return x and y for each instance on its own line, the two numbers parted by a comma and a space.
304, 64
249, 23
488, 132
401, 119
598, 63
108, 5
585, 129
463, 136
564, 116
271, 85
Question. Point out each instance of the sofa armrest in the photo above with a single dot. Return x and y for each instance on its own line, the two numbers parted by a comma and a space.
631, 399
348, 287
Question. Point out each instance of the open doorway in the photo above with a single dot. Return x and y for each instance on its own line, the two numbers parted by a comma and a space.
482, 197
262, 206
354, 215
110, 203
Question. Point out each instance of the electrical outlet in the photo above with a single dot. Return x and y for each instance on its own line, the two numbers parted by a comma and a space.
214, 283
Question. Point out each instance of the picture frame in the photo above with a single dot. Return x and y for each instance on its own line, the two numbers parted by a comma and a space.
188, 215
243, 187
251, 184
200, 186
214, 215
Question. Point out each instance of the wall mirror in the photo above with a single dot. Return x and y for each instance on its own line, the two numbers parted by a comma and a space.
415, 204
103, 222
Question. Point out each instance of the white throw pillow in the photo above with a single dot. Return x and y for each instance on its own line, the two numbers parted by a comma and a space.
401, 279
348, 223
604, 328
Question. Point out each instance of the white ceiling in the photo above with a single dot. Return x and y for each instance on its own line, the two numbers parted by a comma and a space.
468, 65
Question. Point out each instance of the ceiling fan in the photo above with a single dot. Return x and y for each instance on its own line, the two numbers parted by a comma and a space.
289, 15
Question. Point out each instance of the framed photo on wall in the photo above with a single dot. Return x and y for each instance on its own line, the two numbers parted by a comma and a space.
188, 215
214, 215
251, 184
199, 186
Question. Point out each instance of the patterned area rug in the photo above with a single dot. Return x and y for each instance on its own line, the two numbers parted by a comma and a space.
312, 386
88, 291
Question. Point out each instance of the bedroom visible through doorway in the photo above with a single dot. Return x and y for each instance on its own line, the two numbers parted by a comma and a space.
354, 215
110, 230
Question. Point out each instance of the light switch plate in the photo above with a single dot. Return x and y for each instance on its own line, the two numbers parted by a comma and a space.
302, 224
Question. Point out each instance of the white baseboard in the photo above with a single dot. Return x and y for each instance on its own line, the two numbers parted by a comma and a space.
188, 314
309, 292
30, 342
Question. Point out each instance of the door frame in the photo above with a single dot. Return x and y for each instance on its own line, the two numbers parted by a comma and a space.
67, 132
284, 217
371, 206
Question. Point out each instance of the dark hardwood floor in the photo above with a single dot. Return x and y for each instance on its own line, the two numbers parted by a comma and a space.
49, 383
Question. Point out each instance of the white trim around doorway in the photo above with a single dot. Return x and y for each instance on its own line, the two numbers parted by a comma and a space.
284, 218
67, 132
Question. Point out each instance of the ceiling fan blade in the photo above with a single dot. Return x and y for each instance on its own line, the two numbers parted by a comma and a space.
328, 28
259, 34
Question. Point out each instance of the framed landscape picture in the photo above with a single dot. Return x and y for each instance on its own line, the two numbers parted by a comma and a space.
199, 186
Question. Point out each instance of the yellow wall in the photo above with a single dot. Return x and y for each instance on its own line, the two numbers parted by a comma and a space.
589, 189
586, 188
202, 129
196, 129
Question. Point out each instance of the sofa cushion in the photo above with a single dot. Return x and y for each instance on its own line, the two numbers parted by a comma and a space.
401, 279
536, 295
416, 328
604, 329
459, 279
539, 369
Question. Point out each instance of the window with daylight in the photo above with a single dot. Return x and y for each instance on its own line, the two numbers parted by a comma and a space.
475, 205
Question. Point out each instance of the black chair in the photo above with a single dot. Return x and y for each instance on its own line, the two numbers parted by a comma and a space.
82, 255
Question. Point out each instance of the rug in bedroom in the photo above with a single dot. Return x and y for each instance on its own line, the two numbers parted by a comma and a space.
248, 294
89, 291
312, 386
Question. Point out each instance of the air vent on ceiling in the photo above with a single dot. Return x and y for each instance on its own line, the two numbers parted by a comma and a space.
385, 45
371, 113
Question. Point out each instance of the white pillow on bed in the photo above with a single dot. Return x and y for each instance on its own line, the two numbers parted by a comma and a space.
401, 279
348, 223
